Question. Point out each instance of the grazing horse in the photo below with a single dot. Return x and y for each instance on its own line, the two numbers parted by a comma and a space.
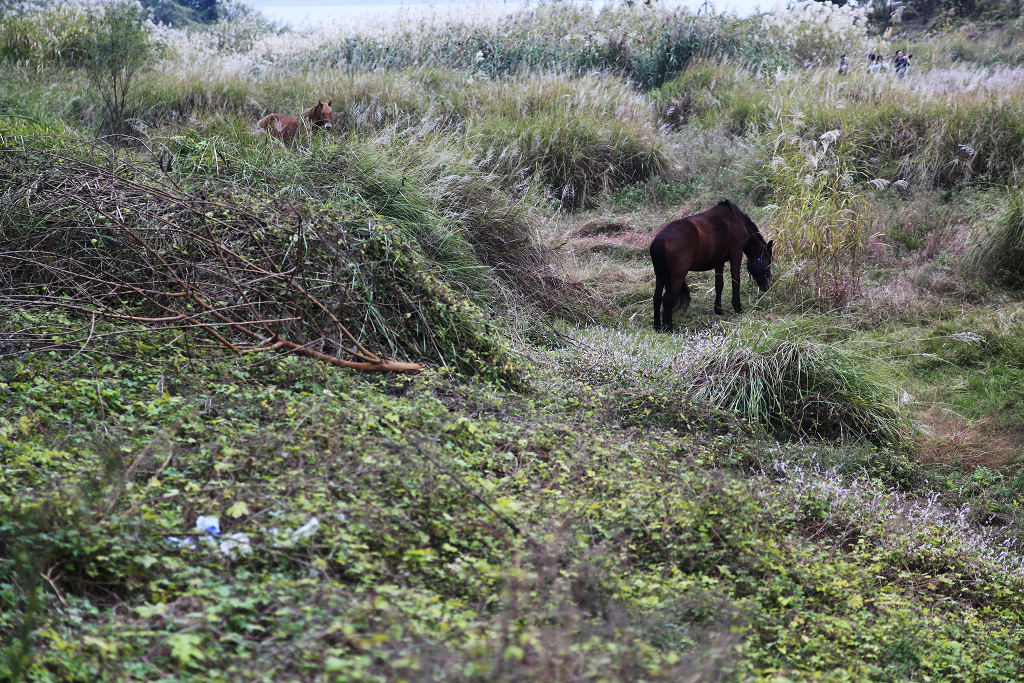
288, 128
705, 241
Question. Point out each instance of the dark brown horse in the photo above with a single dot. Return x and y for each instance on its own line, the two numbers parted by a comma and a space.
288, 128
705, 241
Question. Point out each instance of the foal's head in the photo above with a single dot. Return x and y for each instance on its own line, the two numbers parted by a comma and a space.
320, 115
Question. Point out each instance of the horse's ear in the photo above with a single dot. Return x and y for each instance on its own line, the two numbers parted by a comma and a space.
770, 243
330, 102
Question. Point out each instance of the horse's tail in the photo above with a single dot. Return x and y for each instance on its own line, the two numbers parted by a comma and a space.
659, 259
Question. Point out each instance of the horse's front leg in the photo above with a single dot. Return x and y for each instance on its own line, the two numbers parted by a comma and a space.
719, 285
735, 265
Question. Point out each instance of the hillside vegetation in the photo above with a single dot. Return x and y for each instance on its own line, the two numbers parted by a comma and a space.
387, 405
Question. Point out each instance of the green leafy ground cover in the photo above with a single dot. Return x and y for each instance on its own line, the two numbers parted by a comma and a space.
464, 531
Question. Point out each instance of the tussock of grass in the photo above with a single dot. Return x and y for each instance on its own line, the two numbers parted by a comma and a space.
785, 376
575, 159
997, 255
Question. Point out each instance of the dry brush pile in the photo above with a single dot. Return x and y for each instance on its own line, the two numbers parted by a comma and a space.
108, 241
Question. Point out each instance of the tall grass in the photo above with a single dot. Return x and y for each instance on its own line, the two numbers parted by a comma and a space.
36, 37
820, 223
647, 45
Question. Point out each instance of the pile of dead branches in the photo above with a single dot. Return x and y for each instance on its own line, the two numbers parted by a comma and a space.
116, 243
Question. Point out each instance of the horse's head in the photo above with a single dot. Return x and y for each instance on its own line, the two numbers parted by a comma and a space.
760, 267
320, 115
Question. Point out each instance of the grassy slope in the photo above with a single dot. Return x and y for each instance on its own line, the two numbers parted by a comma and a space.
591, 523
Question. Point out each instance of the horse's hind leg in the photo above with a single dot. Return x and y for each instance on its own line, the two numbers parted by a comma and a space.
719, 286
659, 288
736, 263
675, 298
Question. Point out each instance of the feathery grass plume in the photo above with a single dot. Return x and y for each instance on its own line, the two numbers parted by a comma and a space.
819, 218
997, 254
813, 33
787, 377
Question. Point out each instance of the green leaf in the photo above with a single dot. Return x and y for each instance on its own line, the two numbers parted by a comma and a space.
238, 509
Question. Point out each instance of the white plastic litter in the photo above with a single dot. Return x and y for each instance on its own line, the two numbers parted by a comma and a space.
235, 544
285, 539
306, 530
209, 524
209, 533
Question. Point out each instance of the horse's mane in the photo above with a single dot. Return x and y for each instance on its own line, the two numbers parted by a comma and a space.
746, 219
308, 114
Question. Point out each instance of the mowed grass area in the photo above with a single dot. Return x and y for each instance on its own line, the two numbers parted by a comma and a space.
826, 487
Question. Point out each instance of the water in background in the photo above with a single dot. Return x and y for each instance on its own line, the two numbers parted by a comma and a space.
309, 12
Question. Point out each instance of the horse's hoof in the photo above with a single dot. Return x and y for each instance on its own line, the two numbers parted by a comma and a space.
719, 311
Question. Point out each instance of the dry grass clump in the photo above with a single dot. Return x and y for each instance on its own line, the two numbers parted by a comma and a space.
969, 444
784, 375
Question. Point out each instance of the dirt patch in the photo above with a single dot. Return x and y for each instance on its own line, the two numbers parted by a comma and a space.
970, 444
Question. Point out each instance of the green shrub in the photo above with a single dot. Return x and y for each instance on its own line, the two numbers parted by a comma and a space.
118, 47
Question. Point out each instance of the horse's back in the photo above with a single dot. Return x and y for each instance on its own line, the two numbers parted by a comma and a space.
675, 245
702, 241
278, 125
